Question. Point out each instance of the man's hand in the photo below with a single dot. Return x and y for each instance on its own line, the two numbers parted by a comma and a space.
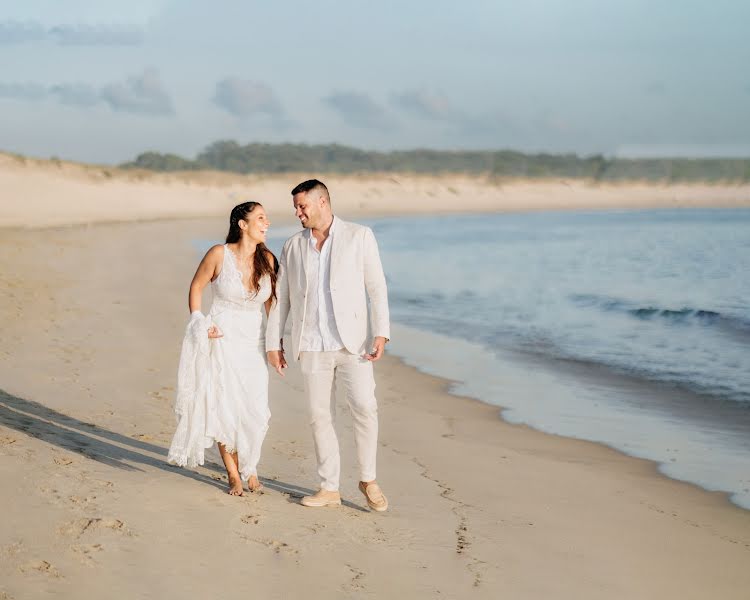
277, 361
378, 345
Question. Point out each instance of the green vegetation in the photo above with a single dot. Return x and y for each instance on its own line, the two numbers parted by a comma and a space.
333, 158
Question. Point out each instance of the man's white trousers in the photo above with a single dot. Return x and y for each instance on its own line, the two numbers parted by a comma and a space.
355, 375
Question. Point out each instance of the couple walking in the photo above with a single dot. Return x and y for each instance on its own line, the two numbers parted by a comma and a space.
323, 281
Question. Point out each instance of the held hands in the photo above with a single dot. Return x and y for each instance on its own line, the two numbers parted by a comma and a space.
277, 361
378, 346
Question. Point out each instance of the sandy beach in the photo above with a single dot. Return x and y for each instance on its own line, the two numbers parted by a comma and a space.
93, 314
43, 193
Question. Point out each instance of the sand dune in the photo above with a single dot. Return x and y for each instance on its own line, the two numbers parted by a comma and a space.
39, 193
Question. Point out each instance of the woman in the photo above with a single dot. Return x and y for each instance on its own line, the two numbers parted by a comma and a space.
222, 387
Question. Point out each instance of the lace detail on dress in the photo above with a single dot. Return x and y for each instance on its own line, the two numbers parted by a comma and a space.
235, 267
223, 383
233, 264
228, 286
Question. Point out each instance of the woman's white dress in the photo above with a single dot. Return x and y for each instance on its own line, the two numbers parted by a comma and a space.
222, 383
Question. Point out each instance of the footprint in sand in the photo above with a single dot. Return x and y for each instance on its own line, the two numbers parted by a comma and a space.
9, 446
84, 502
163, 393
462, 541
356, 583
40, 566
315, 527
277, 546
86, 553
12, 550
50, 492
250, 520
79, 527
63, 460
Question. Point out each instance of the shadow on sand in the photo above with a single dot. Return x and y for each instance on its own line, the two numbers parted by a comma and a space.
112, 449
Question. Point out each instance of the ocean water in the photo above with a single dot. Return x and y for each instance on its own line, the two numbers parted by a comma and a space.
661, 295
629, 328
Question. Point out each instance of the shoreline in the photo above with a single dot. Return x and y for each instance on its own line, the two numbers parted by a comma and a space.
625, 389
448, 386
478, 504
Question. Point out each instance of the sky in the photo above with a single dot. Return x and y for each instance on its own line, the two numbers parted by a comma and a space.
102, 81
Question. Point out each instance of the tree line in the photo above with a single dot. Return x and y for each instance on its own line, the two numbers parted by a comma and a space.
335, 158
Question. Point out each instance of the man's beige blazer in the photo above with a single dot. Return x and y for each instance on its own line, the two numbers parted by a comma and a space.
356, 276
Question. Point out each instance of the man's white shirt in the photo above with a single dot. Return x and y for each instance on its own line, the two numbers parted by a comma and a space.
320, 333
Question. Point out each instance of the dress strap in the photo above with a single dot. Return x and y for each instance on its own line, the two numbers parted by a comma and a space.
224, 260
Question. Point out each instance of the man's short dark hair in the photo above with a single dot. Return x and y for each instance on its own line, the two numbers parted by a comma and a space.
309, 185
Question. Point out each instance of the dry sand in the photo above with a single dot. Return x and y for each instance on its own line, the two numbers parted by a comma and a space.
38, 193
92, 321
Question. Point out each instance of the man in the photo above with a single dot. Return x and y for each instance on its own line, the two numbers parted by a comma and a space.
327, 273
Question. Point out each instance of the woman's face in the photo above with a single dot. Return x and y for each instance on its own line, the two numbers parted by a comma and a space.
256, 225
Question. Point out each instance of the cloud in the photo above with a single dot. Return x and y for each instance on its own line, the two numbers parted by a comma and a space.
243, 98
424, 104
23, 91
17, 32
76, 94
97, 35
486, 129
358, 110
142, 95
437, 112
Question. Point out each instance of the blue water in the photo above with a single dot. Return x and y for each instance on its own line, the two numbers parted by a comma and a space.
662, 295
627, 328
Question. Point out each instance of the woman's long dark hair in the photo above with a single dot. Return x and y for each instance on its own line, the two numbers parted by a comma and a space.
261, 263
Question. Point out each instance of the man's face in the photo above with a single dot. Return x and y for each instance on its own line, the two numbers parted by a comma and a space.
307, 209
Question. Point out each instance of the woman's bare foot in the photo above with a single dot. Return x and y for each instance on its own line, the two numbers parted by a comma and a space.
235, 486
254, 485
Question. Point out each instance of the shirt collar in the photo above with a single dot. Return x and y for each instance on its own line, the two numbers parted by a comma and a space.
330, 231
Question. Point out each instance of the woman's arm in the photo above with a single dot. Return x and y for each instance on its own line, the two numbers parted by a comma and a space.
272, 260
208, 269
275, 323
